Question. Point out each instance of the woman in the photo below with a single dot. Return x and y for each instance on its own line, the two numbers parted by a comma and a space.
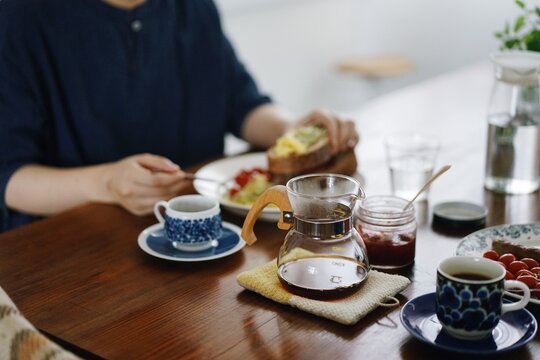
107, 101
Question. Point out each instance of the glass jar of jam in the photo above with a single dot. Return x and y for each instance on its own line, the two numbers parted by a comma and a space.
388, 231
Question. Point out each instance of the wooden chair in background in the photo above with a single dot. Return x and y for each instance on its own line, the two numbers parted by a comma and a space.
376, 67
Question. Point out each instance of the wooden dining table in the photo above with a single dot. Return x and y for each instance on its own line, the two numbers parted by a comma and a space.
81, 278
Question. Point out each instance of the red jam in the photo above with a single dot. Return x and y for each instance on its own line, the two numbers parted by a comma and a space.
389, 250
387, 225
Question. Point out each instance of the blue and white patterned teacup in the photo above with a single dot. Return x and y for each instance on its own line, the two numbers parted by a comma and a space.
192, 222
469, 296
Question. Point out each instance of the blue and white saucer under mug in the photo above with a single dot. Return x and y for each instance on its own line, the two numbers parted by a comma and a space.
469, 296
191, 222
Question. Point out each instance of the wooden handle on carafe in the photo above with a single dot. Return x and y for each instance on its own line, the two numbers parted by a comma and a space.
276, 195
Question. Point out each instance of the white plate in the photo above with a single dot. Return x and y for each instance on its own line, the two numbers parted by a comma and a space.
224, 171
476, 243
153, 241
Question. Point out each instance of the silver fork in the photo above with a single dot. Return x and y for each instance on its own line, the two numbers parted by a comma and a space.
191, 176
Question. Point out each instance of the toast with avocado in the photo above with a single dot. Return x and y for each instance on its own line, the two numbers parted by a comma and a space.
306, 150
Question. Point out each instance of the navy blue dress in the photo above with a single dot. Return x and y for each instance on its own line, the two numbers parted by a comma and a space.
83, 83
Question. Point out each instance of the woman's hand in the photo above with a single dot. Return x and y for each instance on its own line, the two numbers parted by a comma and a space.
136, 183
265, 124
139, 181
342, 133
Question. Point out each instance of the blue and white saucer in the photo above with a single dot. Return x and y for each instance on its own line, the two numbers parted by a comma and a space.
153, 241
515, 329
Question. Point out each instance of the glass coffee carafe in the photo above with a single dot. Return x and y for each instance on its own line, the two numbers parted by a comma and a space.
323, 256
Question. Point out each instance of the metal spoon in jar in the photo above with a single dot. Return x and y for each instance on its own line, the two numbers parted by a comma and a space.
426, 186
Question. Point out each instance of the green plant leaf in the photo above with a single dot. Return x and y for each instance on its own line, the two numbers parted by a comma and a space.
520, 21
524, 32
512, 43
532, 40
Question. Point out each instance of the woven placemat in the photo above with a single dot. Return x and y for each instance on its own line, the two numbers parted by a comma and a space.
378, 290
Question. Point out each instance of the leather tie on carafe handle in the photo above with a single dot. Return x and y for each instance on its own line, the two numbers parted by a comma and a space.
276, 195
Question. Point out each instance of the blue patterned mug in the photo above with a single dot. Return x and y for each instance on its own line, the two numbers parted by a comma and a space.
191, 222
469, 296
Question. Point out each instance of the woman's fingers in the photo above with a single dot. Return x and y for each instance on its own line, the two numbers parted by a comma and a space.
161, 192
159, 179
142, 203
348, 137
323, 118
342, 133
155, 171
156, 163
143, 206
137, 182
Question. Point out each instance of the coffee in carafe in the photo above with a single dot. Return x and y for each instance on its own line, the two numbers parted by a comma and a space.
323, 256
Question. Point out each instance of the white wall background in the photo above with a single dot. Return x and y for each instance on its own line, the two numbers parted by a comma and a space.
292, 46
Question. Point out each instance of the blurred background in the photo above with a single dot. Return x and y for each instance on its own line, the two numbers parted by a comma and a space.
294, 47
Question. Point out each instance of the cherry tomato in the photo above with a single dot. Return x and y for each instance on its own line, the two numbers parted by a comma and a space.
242, 178
536, 270
517, 265
530, 281
507, 258
508, 275
491, 254
233, 191
525, 272
531, 263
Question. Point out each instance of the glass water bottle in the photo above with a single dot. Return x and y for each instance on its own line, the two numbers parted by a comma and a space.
513, 145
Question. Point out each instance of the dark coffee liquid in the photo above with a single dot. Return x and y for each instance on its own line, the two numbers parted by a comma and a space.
322, 277
471, 276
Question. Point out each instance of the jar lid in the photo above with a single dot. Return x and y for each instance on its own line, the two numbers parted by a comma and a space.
459, 215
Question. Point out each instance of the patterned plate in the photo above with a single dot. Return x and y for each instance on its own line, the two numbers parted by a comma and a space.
476, 243
153, 241
515, 329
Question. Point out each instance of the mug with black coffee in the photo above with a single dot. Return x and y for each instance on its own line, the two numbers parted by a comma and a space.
469, 296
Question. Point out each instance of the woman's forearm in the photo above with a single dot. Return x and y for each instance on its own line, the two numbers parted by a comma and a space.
265, 124
42, 190
136, 182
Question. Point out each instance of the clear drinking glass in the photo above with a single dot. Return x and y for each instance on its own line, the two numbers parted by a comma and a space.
513, 147
411, 159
